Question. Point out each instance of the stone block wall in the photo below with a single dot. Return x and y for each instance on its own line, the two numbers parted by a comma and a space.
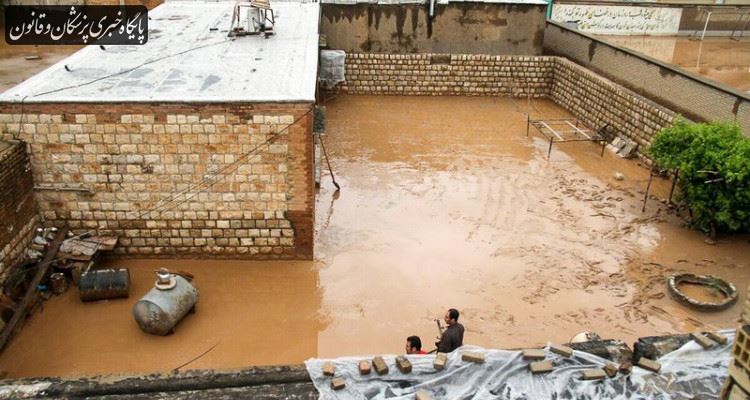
598, 101
691, 95
227, 180
587, 95
18, 209
447, 74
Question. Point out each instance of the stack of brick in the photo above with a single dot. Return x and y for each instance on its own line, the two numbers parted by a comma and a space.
18, 210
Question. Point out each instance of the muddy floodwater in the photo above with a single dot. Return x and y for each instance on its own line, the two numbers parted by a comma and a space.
444, 203
718, 58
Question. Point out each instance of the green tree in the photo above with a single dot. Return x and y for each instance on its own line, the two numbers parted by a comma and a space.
714, 164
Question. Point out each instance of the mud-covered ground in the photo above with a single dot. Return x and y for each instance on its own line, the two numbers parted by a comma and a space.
445, 203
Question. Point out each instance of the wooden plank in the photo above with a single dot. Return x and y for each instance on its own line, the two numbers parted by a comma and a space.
20, 314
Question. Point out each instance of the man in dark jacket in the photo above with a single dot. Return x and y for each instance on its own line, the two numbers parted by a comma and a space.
453, 336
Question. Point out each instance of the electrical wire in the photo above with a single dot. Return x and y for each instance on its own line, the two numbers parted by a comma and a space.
213, 178
131, 69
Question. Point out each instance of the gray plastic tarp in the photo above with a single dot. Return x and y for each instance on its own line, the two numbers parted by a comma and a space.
687, 373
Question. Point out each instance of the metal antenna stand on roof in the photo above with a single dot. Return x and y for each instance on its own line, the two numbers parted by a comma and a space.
260, 18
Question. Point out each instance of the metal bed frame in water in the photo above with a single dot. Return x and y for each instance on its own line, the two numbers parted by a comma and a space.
564, 130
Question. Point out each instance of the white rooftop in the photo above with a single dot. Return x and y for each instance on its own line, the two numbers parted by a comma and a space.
185, 61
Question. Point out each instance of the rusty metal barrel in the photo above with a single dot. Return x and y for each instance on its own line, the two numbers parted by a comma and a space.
100, 284
159, 311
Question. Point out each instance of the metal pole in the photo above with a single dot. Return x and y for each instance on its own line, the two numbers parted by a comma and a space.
528, 121
604, 144
648, 187
549, 151
674, 183
706, 26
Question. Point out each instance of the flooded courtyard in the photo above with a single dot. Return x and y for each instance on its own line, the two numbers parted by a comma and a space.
445, 202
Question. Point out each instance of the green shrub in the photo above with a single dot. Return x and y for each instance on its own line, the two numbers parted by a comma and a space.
714, 164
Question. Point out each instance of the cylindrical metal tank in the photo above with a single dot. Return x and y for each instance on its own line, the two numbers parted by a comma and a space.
104, 284
161, 309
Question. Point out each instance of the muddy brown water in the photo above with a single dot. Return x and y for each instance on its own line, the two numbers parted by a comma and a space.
718, 58
702, 293
445, 203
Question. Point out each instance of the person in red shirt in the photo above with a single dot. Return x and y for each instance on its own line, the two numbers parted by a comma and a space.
414, 345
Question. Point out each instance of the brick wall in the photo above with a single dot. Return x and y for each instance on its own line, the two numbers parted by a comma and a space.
693, 96
598, 101
446, 74
587, 95
226, 180
18, 210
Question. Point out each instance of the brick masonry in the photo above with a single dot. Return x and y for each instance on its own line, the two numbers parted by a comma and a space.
587, 95
598, 101
18, 210
225, 180
447, 74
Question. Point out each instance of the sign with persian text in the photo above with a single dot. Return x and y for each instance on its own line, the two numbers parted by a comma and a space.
619, 20
76, 24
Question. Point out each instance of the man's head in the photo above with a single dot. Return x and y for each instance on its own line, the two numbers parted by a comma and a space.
451, 317
413, 345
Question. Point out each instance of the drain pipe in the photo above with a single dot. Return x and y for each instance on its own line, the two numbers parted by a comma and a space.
549, 9
432, 9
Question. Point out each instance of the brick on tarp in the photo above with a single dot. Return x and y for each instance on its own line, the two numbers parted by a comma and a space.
625, 367
337, 383
649, 364
329, 369
610, 369
539, 367
472, 356
403, 364
422, 395
702, 340
534, 354
441, 360
380, 366
364, 367
564, 351
717, 337
593, 374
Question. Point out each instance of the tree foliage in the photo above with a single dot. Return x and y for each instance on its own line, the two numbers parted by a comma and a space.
714, 164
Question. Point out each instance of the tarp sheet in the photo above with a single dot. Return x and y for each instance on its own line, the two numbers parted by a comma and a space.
687, 373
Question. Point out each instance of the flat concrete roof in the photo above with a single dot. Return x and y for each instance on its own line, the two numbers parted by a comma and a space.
185, 60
